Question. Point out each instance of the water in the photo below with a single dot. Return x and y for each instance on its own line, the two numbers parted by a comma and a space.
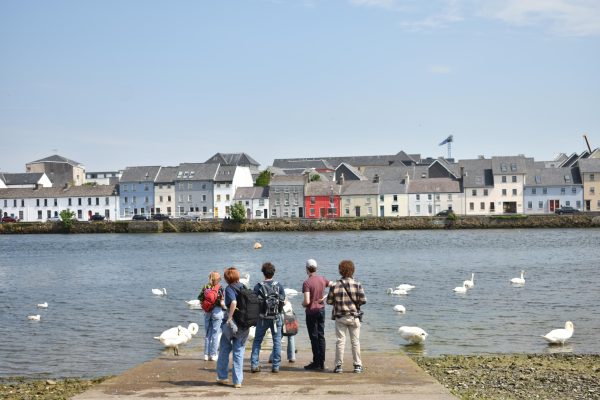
102, 316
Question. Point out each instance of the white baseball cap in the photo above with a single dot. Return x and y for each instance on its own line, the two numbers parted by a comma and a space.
311, 263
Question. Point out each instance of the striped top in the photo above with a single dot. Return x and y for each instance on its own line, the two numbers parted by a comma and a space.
344, 301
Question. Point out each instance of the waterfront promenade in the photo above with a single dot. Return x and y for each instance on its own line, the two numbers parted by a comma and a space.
386, 376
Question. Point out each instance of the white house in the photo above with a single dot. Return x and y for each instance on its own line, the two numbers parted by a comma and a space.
427, 197
255, 200
227, 179
29, 180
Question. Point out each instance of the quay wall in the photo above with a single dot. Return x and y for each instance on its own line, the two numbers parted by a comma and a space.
283, 225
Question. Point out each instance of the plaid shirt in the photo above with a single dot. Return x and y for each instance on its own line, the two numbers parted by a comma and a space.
342, 299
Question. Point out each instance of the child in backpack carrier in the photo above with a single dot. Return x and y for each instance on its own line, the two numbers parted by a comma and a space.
288, 311
213, 303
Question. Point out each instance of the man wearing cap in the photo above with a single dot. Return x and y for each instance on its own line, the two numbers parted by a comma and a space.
313, 289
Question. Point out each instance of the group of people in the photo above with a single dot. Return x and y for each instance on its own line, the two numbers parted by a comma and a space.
225, 336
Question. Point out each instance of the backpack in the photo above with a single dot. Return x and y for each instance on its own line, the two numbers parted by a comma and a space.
271, 303
247, 308
211, 294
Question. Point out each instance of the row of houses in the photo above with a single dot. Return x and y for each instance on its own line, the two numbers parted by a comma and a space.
397, 185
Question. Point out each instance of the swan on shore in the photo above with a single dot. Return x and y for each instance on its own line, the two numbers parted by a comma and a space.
461, 289
559, 336
159, 292
405, 286
519, 281
396, 292
42, 305
290, 292
469, 283
412, 334
174, 337
34, 317
400, 308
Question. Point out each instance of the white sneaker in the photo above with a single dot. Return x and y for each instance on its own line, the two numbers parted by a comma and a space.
206, 357
214, 358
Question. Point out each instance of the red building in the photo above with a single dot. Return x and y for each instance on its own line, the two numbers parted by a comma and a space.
322, 200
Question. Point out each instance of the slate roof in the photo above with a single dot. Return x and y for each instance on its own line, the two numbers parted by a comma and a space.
352, 170
283, 180
552, 177
452, 168
305, 163
254, 192
196, 172
241, 159
434, 185
322, 189
166, 174
56, 192
477, 173
351, 188
140, 174
57, 158
225, 173
27, 178
589, 165
392, 187
332, 162
507, 165
396, 173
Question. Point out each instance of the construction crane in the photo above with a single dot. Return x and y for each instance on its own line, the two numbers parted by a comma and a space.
448, 141
587, 142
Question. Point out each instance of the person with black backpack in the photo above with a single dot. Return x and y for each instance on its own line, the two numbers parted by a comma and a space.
235, 327
272, 298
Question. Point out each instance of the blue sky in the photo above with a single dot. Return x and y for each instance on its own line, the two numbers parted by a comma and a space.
112, 84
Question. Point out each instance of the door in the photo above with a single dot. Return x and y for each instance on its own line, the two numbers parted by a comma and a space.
381, 211
322, 212
357, 211
588, 204
265, 213
554, 204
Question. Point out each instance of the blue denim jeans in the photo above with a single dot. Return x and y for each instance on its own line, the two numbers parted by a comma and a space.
275, 325
212, 330
237, 346
291, 348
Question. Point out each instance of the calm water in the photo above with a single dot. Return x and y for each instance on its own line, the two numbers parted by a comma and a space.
102, 315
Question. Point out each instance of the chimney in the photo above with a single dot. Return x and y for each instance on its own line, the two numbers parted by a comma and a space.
341, 180
406, 178
376, 179
462, 171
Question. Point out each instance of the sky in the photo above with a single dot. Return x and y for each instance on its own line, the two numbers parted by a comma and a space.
112, 84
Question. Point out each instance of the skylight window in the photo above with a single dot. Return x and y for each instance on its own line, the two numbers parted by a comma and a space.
538, 179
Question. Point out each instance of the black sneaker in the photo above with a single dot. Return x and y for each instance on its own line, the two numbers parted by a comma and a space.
311, 366
338, 369
358, 369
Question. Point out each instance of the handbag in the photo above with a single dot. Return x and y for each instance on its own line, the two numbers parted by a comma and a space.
290, 324
359, 313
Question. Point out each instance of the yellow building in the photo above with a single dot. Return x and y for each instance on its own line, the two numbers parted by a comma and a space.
590, 177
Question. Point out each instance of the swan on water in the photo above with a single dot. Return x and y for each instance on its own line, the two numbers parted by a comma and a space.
400, 308
559, 336
42, 305
519, 281
396, 292
290, 292
470, 282
246, 280
174, 337
461, 289
257, 246
405, 286
159, 292
33, 317
412, 334
194, 303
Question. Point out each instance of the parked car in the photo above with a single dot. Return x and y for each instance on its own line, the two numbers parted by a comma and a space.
97, 217
188, 217
160, 217
8, 219
444, 213
54, 219
139, 217
566, 210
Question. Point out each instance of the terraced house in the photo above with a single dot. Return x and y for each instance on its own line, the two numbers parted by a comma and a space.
547, 189
136, 191
194, 189
590, 176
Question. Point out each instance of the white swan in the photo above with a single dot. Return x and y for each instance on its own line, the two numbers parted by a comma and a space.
405, 286
159, 292
174, 337
400, 308
33, 317
396, 292
246, 280
194, 304
559, 336
519, 281
470, 282
290, 292
412, 334
461, 289
257, 246
42, 305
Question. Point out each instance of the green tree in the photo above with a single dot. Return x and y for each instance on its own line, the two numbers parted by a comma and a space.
315, 177
67, 217
263, 179
238, 212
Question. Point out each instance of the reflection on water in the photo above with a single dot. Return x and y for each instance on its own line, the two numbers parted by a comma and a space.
558, 348
102, 316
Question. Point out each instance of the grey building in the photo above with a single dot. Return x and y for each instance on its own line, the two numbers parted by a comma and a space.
286, 196
194, 188
136, 190
60, 170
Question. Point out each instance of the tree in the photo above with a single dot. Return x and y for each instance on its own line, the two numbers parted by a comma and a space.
238, 212
67, 217
314, 177
263, 179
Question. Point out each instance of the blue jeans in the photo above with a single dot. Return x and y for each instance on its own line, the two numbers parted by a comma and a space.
291, 348
237, 346
275, 325
315, 324
212, 330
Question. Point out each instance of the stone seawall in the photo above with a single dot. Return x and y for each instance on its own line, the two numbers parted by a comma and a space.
282, 225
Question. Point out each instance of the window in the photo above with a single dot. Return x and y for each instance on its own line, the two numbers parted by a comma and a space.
247, 203
492, 207
189, 197
540, 204
312, 199
538, 179
218, 185
449, 196
514, 192
79, 201
418, 197
395, 198
227, 185
190, 185
180, 198
544, 190
203, 197
261, 202
146, 199
39, 214
347, 211
368, 201
578, 202
169, 198
181, 185
89, 201
146, 187
592, 190
70, 201
592, 177
218, 197
513, 166
567, 203
5, 203
203, 186
529, 205
79, 214
562, 191
381, 197
482, 206
37, 202
125, 199
437, 197
574, 190
369, 210
503, 178
474, 192
472, 206
106, 201
533, 191
97, 201
514, 179
134, 200
227, 197
418, 208
160, 199
55, 202
45, 203
485, 192
503, 192
503, 167
124, 187
394, 208
429, 196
